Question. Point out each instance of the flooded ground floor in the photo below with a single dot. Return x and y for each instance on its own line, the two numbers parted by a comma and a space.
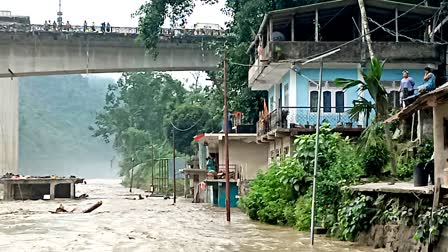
152, 224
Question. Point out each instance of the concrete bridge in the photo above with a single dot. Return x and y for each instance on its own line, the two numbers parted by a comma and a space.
39, 52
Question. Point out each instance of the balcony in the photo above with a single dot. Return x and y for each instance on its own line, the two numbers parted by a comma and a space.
302, 120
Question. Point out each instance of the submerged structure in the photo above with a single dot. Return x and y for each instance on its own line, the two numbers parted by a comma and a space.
17, 187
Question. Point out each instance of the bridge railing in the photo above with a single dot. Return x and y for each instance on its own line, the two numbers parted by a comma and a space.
165, 33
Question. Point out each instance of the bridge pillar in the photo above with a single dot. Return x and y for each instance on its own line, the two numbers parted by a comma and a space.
9, 125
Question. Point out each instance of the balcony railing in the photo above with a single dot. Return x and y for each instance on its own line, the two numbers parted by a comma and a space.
165, 33
304, 117
234, 170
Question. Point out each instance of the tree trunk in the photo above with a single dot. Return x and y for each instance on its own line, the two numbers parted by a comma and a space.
92, 208
365, 27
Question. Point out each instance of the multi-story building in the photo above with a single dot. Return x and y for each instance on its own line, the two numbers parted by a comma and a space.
289, 37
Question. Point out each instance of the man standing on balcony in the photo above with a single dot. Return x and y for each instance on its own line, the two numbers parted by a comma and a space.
406, 87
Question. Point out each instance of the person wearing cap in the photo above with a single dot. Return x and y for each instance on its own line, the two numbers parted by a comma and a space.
406, 86
429, 81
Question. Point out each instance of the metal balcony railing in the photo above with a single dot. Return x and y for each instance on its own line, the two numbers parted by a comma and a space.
165, 33
292, 117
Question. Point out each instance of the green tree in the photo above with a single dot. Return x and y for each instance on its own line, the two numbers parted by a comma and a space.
372, 84
374, 151
189, 120
247, 17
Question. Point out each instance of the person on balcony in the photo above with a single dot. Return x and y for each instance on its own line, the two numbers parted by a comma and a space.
429, 81
406, 87
211, 165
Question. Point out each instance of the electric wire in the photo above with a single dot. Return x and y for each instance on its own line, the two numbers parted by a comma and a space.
404, 36
358, 38
189, 128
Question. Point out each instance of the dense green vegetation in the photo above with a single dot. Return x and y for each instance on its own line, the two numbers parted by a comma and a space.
283, 194
55, 112
138, 118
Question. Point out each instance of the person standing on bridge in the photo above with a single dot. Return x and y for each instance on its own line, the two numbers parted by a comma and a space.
93, 26
46, 26
103, 27
108, 28
55, 26
85, 26
68, 26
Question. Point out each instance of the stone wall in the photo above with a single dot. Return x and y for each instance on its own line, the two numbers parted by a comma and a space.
392, 237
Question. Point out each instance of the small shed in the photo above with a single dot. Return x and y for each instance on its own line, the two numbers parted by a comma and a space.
438, 101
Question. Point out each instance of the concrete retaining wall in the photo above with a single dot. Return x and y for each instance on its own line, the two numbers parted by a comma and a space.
9, 125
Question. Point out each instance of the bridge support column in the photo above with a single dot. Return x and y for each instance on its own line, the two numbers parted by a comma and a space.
9, 125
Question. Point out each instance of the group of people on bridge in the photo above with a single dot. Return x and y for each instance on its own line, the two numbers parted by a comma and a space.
49, 26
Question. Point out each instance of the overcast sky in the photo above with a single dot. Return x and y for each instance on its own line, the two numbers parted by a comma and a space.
117, 12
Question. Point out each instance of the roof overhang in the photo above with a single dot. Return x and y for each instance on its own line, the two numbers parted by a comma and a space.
431, 99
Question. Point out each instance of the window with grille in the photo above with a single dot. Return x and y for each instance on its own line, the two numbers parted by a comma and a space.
327, 101
313, 101
340, 101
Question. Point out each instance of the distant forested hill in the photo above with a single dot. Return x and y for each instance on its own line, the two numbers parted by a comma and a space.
55, 113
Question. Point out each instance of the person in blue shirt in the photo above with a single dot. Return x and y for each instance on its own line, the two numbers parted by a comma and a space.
406, 86
429, 81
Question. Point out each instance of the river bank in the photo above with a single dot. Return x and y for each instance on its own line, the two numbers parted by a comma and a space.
152, 224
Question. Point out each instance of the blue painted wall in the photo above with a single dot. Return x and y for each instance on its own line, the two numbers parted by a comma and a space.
328, 75
302, 90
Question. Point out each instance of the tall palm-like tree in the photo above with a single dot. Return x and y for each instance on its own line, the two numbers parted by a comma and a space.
372, 84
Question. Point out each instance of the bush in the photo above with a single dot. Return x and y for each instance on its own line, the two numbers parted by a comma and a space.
374, 158
303, 213
354, 217
272, 193
282, 194
407, 161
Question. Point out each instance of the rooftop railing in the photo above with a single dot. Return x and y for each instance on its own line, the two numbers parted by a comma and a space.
304, 117
165, 33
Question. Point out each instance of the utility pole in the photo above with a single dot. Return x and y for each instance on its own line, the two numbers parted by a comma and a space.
60, 14
152, 169
226, 140
174, 167
365, 27
132, 174
316, 152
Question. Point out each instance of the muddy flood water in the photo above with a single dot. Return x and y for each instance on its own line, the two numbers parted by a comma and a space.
152, 224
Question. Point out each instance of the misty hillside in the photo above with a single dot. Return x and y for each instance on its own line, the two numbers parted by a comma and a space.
55, 112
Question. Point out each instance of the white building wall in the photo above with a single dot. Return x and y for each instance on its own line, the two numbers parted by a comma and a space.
252, 157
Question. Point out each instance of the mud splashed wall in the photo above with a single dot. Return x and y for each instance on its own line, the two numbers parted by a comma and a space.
9, 125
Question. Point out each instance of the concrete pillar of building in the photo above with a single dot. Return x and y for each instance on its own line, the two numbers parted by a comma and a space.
440, 161
9, 125
72, 190
52, 190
